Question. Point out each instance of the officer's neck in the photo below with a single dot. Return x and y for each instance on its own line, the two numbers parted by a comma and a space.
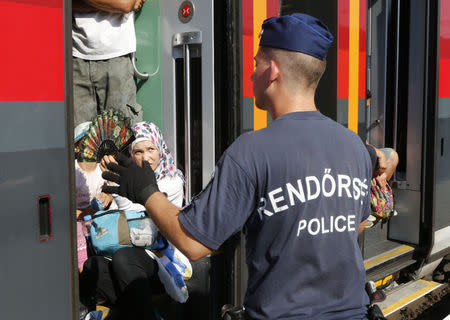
283, 104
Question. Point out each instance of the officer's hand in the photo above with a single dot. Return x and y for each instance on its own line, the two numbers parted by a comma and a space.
135, 183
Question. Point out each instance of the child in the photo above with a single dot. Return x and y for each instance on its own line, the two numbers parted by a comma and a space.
88, 185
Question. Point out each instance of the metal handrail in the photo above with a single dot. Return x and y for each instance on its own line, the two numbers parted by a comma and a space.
137, 73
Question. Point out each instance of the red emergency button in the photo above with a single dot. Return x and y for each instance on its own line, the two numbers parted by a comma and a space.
186, 11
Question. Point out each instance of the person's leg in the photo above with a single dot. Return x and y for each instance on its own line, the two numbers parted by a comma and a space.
118, 87
96, 283
84, 97
81, 246
136, 275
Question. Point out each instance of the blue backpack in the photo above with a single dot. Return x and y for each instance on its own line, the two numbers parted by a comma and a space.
114, 229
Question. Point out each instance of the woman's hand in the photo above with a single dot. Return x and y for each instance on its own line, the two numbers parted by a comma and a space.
105, 161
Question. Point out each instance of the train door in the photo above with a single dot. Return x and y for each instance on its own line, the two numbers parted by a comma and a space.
402, 80
404, 75
175, 46
37, 270
407, 80
187, 44
395, 117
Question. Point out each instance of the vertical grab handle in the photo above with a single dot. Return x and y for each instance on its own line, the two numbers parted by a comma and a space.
187, 120
185, 40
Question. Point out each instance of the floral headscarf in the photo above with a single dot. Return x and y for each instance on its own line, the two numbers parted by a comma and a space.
146, 130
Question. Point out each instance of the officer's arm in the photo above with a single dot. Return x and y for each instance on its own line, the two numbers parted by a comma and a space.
165, 216
82, 7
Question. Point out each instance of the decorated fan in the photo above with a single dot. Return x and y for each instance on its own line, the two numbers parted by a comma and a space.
108, 134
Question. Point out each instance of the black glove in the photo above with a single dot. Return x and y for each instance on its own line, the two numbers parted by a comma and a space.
135, 183
375, 313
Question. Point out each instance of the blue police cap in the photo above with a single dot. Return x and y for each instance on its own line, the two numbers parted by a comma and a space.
297, 32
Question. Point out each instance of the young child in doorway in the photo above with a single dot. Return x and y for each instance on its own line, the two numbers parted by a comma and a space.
88, 185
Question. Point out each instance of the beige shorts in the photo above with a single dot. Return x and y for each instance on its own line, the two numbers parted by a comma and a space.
104, 84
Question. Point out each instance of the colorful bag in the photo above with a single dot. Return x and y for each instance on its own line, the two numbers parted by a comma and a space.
115, 229
381, 205
173, 269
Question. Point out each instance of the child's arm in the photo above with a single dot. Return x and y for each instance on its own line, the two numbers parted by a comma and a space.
127, 205
105, 199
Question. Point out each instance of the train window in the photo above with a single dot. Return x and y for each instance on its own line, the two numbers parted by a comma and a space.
397, 74
196, 121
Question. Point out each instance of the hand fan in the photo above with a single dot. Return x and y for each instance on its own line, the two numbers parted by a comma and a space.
109, 134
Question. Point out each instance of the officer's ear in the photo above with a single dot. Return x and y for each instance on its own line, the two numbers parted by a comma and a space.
274, 71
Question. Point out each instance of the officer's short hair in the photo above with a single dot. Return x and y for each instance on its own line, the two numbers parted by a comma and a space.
300, 70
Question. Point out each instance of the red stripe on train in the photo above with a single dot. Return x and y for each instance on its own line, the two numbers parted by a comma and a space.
41, 3
32, 59
247, 47
362, 49
343, 47
273, 8
444, 51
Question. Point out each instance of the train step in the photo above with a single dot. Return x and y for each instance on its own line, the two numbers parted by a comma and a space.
389, 262
407, 301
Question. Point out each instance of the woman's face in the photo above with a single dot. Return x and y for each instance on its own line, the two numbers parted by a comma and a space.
145, 151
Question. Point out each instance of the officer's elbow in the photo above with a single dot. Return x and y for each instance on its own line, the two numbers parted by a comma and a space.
195, 251
193, 256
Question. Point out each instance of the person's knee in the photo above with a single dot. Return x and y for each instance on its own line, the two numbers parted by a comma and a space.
94, 264
133, 263
121, 260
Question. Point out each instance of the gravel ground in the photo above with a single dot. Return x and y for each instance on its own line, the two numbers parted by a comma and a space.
439, 311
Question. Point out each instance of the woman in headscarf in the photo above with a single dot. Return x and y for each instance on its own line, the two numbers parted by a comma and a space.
150, 146
127, 281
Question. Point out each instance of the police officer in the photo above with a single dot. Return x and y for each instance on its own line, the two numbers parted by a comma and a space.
300, 186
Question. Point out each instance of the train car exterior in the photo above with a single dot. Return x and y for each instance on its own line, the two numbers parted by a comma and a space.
193, 65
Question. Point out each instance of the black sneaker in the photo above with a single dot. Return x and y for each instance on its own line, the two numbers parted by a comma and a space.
83, 311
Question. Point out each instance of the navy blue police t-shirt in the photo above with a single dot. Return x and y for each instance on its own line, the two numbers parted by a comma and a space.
301, 188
